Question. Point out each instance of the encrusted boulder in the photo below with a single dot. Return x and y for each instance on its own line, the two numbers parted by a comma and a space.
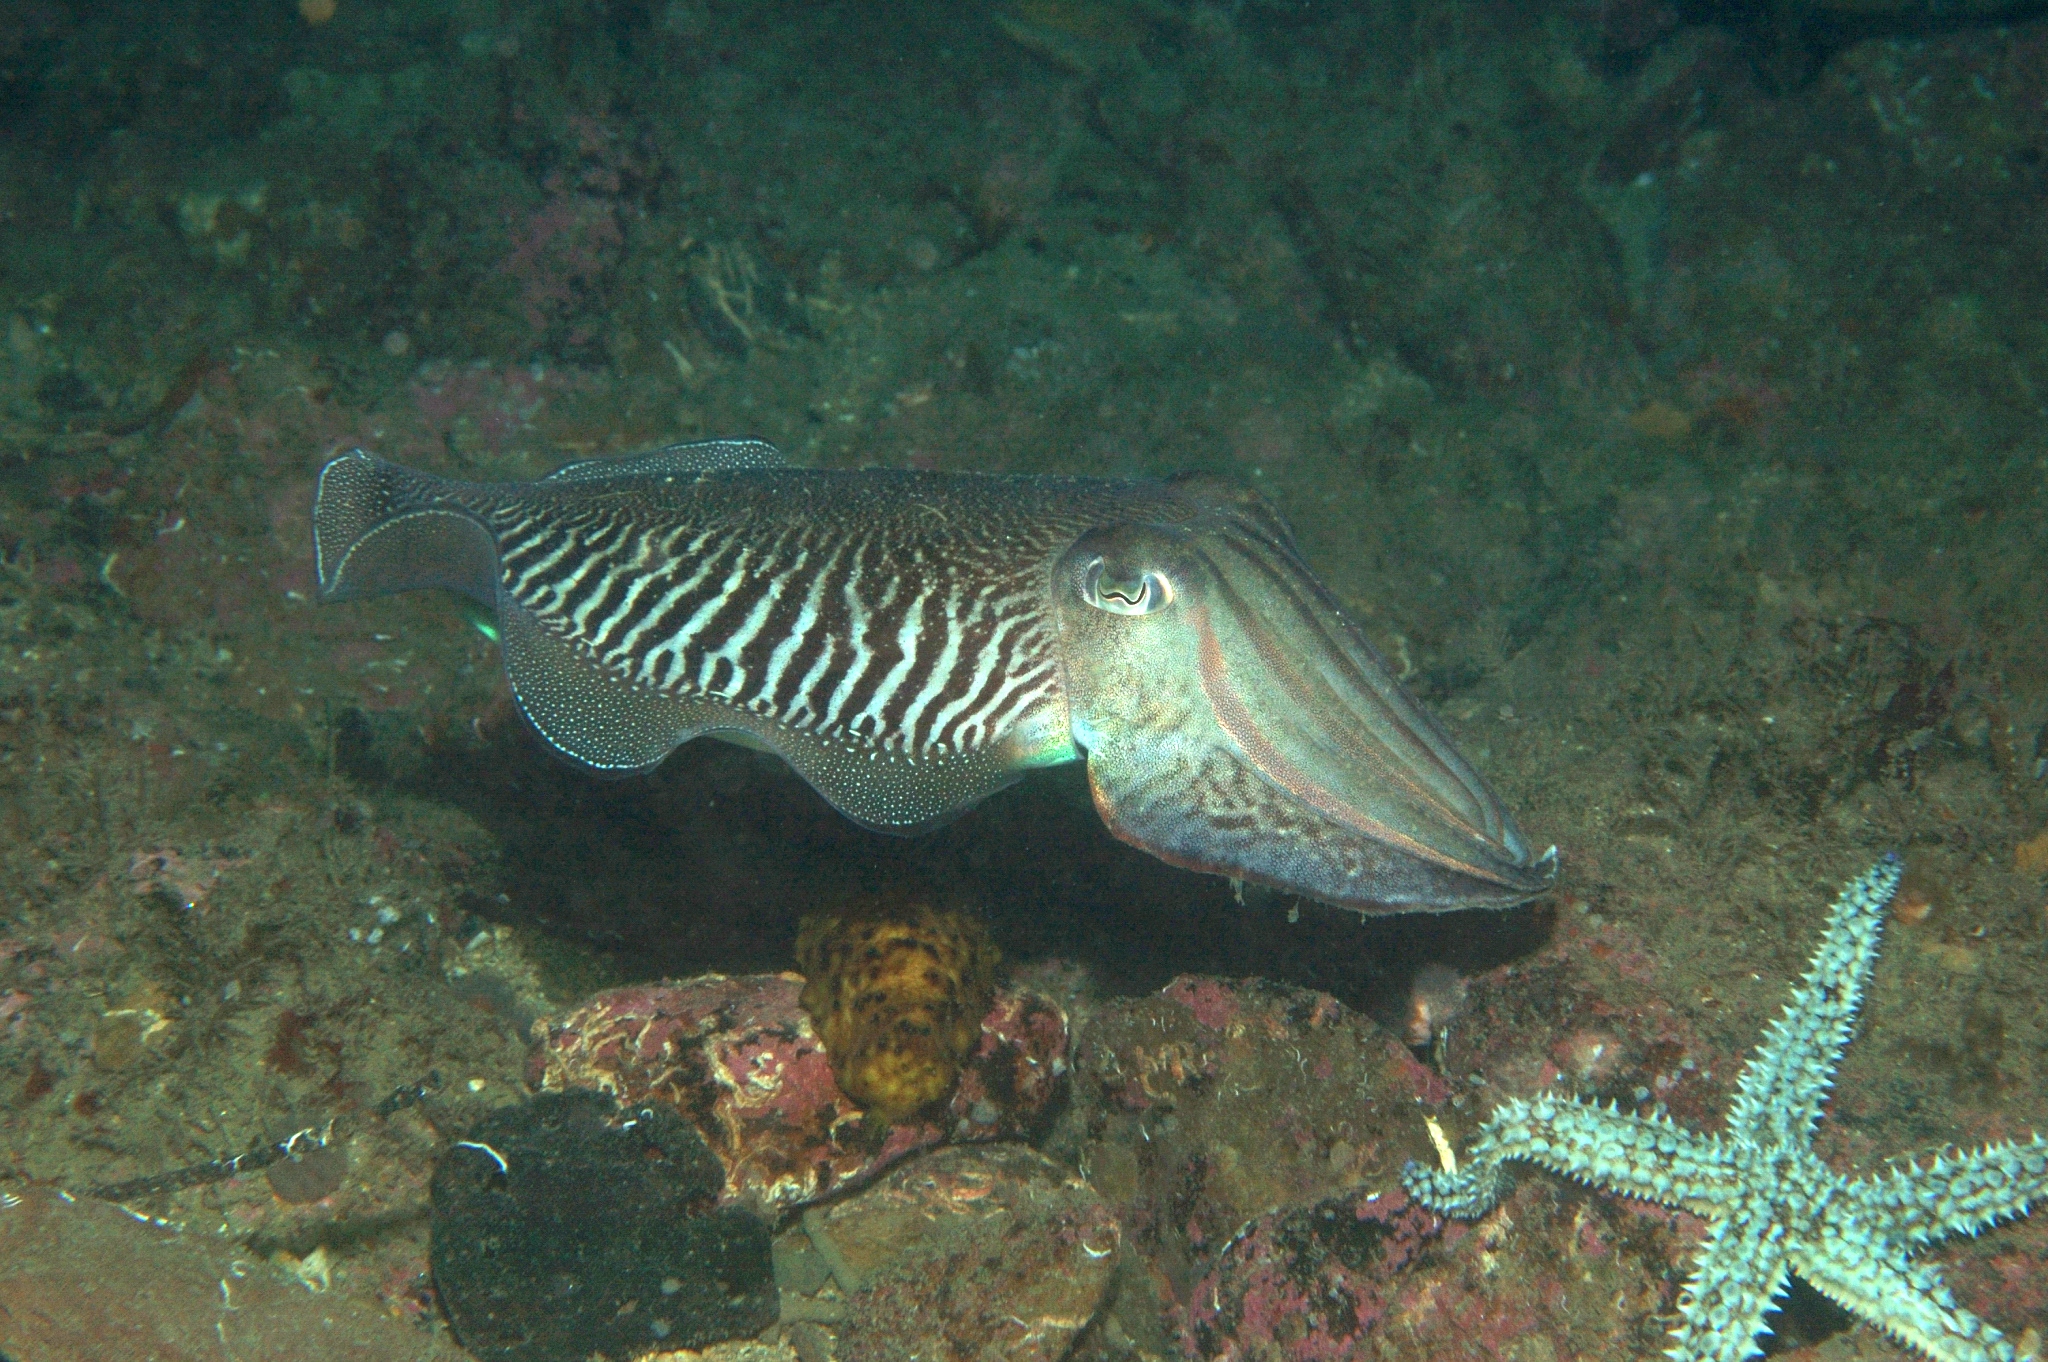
992, 1252
738, 1058
1318, 1279
1214, 1101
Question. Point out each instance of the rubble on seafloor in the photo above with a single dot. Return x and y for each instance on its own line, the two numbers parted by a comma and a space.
1216, 1177
991, 1248
1222, 1183
1662, 395
1249, 1136
972, 1251
739, 1058
85, 1279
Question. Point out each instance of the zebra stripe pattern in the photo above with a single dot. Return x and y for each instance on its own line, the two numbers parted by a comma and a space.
854, 633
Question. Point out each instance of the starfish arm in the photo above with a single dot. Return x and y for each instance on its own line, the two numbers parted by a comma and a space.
1779, 1097
1465, 1194
1653, 1160
1741, 1269
1958, 1194
1846, 1262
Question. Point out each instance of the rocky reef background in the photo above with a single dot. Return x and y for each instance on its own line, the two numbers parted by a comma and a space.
1661, 385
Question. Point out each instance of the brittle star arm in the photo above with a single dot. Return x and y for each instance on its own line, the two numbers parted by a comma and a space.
1956, 1194
1779, 1097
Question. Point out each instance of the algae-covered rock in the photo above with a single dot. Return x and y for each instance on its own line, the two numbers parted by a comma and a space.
992, 1252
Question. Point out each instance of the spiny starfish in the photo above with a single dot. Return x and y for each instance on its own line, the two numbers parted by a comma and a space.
1773, 1207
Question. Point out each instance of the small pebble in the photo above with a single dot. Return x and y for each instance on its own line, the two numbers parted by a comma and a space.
306, 1178
116, 1040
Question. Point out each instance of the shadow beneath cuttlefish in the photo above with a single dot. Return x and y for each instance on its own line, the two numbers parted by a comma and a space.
709, 862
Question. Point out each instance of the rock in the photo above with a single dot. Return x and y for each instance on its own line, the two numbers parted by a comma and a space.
1557, 1272
1250, 1136
1214, 1101
745, 1350
567, 1227
84, 1281
1318, 1278
738, 1058
994, 1253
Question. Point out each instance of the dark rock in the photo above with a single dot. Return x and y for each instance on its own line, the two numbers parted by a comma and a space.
65, 392
567, 1228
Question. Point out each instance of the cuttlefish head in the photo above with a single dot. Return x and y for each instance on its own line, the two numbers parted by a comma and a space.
1236, 722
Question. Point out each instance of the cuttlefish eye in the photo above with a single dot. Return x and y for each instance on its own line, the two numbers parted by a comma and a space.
1124, 591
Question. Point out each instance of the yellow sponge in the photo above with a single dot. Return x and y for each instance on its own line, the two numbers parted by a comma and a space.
897, 993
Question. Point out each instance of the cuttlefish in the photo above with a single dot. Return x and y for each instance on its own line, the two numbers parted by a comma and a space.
912, 642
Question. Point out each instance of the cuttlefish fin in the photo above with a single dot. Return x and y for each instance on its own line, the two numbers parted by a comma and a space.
695, 456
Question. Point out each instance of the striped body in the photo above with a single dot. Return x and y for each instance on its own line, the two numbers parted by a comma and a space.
900, 612
912, 642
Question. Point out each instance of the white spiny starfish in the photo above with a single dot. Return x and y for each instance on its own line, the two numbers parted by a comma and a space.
1772, 1206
